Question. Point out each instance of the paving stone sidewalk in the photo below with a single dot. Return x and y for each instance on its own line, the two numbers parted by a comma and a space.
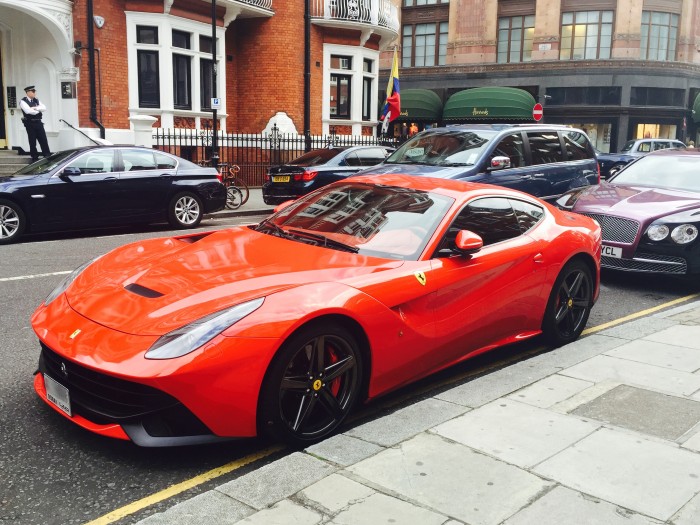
603, 431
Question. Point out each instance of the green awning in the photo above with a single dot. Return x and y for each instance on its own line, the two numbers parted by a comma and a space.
489, 103
696, 110
420, 104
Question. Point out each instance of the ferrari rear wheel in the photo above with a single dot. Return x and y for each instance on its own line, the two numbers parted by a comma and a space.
569, 305
185, 210
12, 221
311, 385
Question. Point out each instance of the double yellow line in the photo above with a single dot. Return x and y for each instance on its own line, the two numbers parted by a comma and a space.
178, 488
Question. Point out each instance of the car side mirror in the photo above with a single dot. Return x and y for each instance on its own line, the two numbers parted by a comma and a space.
499, 163
468, 242
70, 171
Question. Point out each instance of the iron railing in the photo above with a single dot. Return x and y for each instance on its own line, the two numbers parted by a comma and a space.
265, 4
380, 13
253, 153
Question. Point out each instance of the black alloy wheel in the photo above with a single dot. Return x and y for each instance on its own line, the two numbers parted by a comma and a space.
569, 305
311, 385
12, 221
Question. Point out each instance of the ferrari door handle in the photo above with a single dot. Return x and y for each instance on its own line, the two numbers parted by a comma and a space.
539, 258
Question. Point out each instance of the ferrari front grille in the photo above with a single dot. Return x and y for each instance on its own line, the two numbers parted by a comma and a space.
616, 229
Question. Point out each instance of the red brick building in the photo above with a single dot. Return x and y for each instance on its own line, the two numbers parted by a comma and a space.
153, 58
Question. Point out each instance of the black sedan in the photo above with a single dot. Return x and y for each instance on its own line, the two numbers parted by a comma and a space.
649, 213
317, 168
101, 186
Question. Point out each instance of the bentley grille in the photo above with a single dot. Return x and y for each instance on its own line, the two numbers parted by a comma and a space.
616, 229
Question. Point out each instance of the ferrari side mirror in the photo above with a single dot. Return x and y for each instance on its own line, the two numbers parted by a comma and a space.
468, 242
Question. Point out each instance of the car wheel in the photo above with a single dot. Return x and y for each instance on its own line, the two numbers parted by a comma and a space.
12, 222
569, 304
185, 210
311, 385
614, 169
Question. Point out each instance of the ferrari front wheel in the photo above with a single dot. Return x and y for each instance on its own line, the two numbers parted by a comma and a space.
569, 304
311, 385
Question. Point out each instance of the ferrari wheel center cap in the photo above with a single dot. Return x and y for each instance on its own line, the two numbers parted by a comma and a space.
317, 385
570, 303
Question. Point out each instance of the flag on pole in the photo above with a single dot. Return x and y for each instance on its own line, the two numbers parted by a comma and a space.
392, 106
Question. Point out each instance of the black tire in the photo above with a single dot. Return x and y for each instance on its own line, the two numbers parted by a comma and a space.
13, 222
185, 210
569, 304
614, 169
298, 404
234, 198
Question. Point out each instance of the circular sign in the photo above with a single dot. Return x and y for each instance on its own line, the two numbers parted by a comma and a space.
537, 112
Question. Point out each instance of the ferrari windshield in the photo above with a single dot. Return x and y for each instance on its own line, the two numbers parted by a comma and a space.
369, 219
443, 148
663, 171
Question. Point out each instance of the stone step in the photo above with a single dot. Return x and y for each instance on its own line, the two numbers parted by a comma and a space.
14, 159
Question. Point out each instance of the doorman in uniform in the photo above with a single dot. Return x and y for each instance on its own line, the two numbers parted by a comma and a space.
32, 109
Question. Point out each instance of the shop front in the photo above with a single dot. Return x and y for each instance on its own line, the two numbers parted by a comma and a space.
420, 109
489, 104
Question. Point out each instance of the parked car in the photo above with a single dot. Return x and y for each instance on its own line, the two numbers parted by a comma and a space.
317, 168
649, 212
281, 327
611, 163
542, 160
100, 186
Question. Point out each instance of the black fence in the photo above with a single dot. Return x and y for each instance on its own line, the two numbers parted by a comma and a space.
253, 153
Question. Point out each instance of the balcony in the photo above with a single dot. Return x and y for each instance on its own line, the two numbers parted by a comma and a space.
246, 9
379, 17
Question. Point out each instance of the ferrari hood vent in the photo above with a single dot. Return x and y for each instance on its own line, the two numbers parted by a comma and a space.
142, 291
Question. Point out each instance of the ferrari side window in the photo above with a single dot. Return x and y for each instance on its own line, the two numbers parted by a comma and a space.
528, 214
492, 218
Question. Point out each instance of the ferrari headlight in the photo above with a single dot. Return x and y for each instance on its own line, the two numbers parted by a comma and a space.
66, 282
657, 232
684, 233
190, 337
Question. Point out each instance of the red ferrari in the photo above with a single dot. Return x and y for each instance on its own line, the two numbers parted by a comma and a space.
281, 327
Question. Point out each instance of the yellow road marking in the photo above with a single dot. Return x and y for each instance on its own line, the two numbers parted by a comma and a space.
174, 490
642, 313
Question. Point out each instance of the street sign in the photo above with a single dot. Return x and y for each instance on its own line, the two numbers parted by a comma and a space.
537, 112
215, 103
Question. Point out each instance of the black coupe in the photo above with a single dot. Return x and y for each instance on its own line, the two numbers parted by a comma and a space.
101, 186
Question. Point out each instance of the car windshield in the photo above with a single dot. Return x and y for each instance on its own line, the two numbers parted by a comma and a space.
663, 171
316, 157
47, 164
368, 219
443, 148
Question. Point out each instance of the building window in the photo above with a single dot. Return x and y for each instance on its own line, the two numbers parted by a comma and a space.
585, 96
148, 79
367, 67
340, 96
648, 96
182, 81
205, 86
515, 38
181, 39
411, 3
146, 34
659, 36
341, 62
424, 45
586, 35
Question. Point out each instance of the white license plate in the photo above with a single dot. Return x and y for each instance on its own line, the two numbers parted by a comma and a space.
612, 251
58, 394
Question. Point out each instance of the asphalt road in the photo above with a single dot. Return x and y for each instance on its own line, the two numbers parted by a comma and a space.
53, 473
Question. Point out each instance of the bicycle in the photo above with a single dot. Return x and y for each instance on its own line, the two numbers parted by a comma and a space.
233, 179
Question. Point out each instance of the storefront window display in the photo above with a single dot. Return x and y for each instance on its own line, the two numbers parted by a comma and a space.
655, 131
598, 133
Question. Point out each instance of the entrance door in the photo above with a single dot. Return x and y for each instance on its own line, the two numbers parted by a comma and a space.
3, 136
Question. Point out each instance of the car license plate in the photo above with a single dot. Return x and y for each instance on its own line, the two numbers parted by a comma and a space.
58, 394
612, 251
280, 178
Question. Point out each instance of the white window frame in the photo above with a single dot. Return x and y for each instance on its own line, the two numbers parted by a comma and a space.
357, 73
166, 24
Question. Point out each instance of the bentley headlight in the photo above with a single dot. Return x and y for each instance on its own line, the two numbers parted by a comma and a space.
684, 233
657, 232
190, 337
66, 282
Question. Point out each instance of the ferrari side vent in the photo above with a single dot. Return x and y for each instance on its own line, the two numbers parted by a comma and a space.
142, 291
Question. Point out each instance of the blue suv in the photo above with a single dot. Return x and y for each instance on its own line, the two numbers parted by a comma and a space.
540, 159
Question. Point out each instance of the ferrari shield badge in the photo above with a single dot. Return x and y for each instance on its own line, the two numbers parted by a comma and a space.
421, 277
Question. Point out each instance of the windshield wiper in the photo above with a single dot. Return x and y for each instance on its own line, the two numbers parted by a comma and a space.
274, 228
328, 243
